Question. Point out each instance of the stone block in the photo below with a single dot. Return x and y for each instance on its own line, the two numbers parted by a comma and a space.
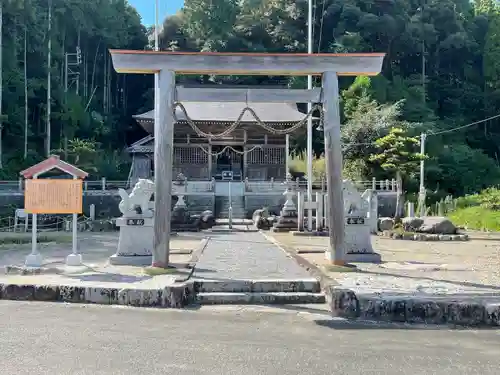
103, 296
140, 297
178, 295
380, 309
230, 286
469, 313
445, 237
413, 309
425, 311
71, 294
18, 292
385, 223
493, 313
46, 293
342, 302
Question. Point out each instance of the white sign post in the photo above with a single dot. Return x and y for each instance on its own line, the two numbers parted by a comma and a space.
53, 196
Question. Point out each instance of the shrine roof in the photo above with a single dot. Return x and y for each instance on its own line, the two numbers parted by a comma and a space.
230, 111
53, 162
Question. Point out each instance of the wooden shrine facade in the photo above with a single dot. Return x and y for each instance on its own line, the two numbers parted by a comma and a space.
248, 152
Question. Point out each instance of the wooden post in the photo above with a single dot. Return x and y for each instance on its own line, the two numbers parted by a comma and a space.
209, 160
333, 155
319, 211
163, 158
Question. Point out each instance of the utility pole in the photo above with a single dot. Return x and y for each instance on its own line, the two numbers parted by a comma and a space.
309, 119
25, 92
424, 96
156, 28
72, 63
1, 82
49, 79
422, 193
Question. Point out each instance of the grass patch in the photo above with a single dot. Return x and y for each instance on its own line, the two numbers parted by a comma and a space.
10, 238
156, 271
477, 218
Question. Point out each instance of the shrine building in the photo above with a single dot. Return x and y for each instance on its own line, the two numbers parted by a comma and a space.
250, 151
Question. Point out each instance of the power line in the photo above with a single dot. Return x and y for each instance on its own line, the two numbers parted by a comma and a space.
465, 126
435, 133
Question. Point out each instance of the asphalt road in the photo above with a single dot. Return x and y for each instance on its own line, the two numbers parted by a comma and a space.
44, 338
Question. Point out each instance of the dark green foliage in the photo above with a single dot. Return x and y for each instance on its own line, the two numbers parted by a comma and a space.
461, 84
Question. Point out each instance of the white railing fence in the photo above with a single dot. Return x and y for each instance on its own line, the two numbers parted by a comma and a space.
189, 186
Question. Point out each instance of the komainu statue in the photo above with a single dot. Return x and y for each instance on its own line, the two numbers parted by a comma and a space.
138, 198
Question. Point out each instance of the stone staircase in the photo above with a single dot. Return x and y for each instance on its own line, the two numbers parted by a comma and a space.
258, 292
222, 207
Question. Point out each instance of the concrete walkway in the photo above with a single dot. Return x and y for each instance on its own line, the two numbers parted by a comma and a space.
245, 256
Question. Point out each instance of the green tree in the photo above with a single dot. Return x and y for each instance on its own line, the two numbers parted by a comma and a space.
398, 153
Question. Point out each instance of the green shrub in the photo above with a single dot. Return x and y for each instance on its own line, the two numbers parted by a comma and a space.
477, 218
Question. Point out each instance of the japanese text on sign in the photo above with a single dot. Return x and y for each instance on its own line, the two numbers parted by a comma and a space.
53, 196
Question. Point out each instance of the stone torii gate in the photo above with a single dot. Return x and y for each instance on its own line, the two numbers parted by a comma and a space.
167, 64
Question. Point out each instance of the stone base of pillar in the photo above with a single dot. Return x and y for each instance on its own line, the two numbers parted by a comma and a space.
130, 260
363, 258
287, 221
135, 243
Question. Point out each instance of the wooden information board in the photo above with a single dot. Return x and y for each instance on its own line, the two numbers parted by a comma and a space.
50, 196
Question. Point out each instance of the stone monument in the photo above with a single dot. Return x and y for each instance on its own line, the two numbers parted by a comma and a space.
358, 246
135, 244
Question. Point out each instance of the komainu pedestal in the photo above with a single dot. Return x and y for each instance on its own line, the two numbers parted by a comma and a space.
358, 244
135, 244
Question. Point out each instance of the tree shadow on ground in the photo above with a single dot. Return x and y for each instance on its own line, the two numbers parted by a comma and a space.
461, 283
346, 324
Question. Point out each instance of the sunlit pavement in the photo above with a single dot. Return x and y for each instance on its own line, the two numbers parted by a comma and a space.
48, 338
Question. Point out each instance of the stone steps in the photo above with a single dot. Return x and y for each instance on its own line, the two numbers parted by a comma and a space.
270, 298
222, 207
258, 292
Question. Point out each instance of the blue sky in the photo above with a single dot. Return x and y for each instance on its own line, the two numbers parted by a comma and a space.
146, 9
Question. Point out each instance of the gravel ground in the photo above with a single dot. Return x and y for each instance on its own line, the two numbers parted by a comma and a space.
418, 267
96, 248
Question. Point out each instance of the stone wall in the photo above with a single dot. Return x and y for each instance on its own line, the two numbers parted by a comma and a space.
386, 204
106, 205
199, 203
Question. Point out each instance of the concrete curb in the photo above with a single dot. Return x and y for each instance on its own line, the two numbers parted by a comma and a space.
173, 296
465, 310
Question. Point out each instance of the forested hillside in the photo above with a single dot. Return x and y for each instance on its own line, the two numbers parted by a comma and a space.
95, 119
454, 82
442, 71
